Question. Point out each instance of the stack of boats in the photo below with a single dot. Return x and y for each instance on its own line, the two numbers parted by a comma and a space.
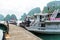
47, 23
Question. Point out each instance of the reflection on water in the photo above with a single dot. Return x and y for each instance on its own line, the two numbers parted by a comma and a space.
48, 36
1, 34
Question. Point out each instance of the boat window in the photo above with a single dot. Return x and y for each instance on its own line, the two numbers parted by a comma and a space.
41, 17
58, 15
43, 25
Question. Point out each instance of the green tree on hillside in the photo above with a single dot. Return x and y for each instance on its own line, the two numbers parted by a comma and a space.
1, 17
31, 13
23, 17
13, 17
34, 10
52, 6
7, 18
48, 9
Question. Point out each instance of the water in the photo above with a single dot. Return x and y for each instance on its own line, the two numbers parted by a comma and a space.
48, 36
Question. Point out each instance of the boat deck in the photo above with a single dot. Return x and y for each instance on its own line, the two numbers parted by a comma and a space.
18, 33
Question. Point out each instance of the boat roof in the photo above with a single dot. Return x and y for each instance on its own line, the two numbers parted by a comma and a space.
43, 14
52, 22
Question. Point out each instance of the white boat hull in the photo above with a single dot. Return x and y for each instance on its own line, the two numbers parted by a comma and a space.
47, 31
57, 31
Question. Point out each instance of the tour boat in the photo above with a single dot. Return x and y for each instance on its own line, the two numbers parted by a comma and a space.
46, 23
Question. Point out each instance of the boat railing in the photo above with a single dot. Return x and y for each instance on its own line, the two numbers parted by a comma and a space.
51, 28
45, 28
41, 28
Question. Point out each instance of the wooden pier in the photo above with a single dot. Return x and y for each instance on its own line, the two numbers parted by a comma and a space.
19, 33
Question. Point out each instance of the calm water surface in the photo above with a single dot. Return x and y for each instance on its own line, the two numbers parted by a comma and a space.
48, 36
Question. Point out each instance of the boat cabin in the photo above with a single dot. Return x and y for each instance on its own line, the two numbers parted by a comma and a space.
46, 23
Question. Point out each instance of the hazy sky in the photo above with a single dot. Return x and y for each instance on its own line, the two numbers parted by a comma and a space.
18, 7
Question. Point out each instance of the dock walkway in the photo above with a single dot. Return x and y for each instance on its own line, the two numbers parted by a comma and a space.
19, 33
